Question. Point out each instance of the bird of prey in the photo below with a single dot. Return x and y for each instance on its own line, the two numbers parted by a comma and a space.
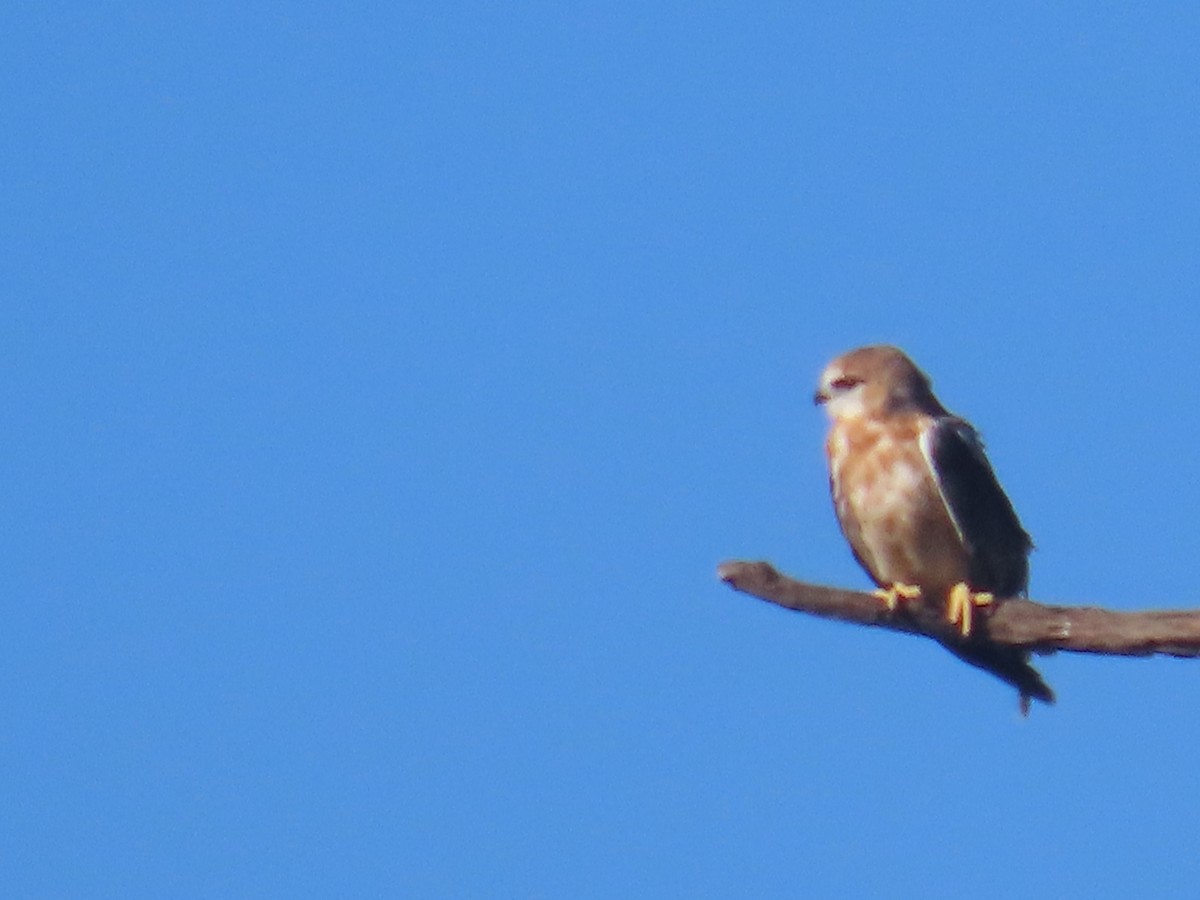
920, 505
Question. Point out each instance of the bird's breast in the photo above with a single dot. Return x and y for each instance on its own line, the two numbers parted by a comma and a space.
889, 506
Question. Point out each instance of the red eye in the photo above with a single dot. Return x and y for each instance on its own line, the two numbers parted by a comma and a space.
845, 382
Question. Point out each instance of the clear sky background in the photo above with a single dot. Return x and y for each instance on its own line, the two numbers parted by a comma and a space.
384, 382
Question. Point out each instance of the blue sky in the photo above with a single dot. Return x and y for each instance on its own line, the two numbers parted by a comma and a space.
384, 384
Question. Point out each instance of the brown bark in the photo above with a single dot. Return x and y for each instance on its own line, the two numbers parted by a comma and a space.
1015, 622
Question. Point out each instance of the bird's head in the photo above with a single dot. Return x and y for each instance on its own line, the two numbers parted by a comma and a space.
871, 382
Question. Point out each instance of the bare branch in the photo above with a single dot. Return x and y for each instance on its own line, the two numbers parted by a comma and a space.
1014, 622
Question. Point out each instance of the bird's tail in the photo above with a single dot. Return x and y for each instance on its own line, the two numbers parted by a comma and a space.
1008, 664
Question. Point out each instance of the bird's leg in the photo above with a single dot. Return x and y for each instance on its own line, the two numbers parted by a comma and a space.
960, 606
892, 596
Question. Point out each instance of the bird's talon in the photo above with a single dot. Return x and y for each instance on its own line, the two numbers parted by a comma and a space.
892, 596
961, 603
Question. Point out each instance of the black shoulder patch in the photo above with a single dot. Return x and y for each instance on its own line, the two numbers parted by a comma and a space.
981, 511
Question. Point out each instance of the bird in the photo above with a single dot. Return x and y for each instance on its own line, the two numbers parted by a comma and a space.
920, 505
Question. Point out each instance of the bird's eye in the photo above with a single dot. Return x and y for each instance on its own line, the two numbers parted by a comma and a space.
845, 382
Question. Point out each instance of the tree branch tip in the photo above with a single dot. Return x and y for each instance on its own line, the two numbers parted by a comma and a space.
733, 569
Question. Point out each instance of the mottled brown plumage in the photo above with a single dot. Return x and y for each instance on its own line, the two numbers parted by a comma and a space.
919, 503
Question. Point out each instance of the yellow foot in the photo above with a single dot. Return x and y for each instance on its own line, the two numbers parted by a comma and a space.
960, 606
892, 596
